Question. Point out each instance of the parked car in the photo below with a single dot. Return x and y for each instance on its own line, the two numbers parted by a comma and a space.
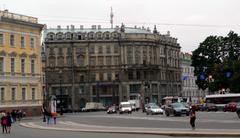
176, 109
112, 109
125, 107
230, 107
154, 110
211, 107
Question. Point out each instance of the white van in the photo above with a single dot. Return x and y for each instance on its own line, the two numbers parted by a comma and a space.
125, 107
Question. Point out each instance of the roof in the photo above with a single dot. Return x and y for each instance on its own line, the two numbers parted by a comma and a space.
87, 30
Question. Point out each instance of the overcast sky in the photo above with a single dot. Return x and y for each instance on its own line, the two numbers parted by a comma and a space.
191, 21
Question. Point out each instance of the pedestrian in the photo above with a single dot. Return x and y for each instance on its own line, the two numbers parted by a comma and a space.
4, 122
192, 117
9, 122
13, 114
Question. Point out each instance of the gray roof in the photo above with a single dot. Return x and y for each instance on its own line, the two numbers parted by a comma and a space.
87, 30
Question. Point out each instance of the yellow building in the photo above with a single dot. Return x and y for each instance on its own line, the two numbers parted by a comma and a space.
20, 63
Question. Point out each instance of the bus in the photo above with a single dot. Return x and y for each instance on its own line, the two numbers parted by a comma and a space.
220, 100
175, 99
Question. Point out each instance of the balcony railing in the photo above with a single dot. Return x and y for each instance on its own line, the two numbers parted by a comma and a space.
20, 17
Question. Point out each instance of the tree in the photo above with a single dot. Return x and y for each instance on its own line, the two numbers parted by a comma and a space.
216, 62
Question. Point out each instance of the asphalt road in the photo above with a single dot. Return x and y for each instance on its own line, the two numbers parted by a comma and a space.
205, 120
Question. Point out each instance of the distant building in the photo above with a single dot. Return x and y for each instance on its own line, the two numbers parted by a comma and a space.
20, 63
110, 65
189, 87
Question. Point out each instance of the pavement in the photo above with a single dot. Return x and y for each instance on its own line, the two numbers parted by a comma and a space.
72, 126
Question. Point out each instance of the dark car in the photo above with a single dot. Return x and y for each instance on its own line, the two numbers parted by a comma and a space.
211, 107
112, 109
230, 107
176, 109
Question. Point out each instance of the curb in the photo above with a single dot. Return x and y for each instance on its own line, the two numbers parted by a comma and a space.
193, 133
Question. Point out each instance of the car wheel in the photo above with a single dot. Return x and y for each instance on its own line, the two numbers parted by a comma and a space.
167, 113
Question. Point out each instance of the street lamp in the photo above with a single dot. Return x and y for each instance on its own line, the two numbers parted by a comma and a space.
61, 94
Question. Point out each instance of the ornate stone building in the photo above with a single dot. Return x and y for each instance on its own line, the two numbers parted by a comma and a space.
20, 63
110, 65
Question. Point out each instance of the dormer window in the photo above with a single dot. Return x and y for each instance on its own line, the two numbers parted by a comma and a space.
59, 36
107, 36
68, 36
91, 36
79, 37
99, 36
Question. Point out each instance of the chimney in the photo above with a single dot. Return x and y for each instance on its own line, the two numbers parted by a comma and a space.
168, 33
67, 27
72, 27
81, 27
59, 27
99, 27
94, 27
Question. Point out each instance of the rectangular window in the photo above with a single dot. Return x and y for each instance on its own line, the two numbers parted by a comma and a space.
92, 61
91, 50
115, 49
32, 43
101, 76
130, 75
1, 64
108, 49
12, 65
108, 60
22, 66
12, 40
32, 66
109, 76
22, 42
1, 39
2, 94
23, 94
100, 61
93, 77
33, 94
13, 94
135, 88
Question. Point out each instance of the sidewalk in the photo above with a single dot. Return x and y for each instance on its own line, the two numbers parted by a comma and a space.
76, 127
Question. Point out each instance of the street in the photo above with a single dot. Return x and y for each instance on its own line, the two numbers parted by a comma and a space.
206, 121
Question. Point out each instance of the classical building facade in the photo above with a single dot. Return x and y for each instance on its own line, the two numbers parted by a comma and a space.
189, 87
20, 63
110, 65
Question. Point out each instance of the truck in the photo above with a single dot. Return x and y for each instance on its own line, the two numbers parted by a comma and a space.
125, 107
94, 106
135, 104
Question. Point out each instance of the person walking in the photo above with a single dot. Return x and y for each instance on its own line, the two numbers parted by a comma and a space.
192, 117
9, 122
4, 122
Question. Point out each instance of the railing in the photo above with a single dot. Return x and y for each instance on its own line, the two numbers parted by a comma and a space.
12, 103
18, 17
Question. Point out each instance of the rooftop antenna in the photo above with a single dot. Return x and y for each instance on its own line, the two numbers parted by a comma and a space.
111, 16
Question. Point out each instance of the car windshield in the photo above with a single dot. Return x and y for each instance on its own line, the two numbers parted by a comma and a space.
178, 105
154, 107
126, 105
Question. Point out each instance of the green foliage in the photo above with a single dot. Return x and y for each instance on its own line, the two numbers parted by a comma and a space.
218, 59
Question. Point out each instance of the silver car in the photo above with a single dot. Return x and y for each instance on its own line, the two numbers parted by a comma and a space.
153, 110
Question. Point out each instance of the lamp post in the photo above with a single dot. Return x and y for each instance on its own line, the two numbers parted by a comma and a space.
61, 94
